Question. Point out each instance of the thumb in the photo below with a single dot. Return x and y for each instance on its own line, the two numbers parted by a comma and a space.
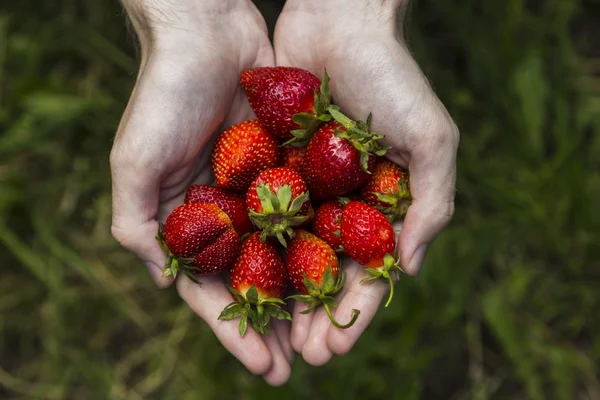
432, 169
135, 206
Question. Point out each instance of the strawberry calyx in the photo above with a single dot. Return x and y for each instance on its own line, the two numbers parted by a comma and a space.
359, 134
397, 202
388, 271
323, 294
310, 122
176, 265
279, 212
254, 309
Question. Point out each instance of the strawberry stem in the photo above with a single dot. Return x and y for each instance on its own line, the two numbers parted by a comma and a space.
389, 300
354, 316
384, 272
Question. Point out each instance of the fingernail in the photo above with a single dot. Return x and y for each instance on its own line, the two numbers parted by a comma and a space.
417, 259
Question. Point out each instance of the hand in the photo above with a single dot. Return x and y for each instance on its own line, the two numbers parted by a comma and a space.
372, 71
193, 52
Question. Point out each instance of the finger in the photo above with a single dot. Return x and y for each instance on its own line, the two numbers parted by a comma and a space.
280, 369
315, 350
300, 326
365, 297
282, 330
432, 168
208, 300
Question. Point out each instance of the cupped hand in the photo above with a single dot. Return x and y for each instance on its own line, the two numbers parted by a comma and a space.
359, 43
187, 90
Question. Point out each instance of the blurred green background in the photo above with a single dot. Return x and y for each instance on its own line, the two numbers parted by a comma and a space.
507, 305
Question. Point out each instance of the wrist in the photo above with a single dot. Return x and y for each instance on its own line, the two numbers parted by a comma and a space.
352, 16
183, 24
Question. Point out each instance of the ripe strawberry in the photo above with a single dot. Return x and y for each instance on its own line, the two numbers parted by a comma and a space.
234, 204
292, 157
290, 102
241, 153
315, 272
328, 224
368, 237
388, 189
258, 281
340, 157
277, 200
199, 239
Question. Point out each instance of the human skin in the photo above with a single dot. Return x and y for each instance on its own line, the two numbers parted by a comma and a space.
360, 43
187, 89
192, 52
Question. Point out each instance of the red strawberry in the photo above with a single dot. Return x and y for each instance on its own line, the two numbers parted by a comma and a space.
290, 102
241, 153
234, 204
328, 224
277, 200
388, 189
198, 239
315, 272
368, 237
340, 157
258, 281
292, 157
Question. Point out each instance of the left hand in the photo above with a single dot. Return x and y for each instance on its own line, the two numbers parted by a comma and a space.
371, 70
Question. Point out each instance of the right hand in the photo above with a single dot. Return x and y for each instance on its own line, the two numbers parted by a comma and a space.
187, 90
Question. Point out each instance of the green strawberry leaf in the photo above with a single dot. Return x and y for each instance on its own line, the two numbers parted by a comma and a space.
339, 284
273, 300
373, 272
243, 325
315, 301
252, 295
311, 286
298, 202
329, 301
328, 285
304, 298
303, 119
279, 313
341, 118
284, 196
387, 198
266, 198
238, 296
232, 311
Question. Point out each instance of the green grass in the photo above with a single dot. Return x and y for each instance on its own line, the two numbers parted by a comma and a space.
507, 305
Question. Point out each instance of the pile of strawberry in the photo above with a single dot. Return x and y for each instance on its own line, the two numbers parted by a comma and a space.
296, 188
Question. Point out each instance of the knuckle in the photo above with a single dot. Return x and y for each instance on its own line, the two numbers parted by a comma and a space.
121, 235
436, 131
446, 212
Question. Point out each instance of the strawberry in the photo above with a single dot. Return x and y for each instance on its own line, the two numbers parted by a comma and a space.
340, 157
241, 153
277, 200
368, 237
234, 204
199, 239
290, 102
388, 189
327, 224
292, 157
258, 281
315, 272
